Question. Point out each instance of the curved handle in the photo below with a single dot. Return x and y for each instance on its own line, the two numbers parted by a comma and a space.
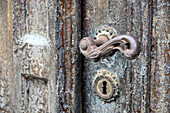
95, 49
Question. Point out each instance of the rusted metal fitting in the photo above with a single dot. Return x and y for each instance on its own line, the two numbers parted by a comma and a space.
106, 41
106, 86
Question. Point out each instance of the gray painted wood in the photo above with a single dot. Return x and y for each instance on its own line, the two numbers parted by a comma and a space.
39, 56
35, 54
138, 84
60, 78
6, 58
160, 62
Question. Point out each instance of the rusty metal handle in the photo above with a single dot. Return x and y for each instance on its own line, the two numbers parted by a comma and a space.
95, 49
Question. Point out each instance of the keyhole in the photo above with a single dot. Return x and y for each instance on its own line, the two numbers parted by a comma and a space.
104, 87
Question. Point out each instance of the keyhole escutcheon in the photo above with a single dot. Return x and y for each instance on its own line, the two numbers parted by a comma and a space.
106, 86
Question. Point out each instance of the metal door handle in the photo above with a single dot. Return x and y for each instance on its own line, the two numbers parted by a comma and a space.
106, 42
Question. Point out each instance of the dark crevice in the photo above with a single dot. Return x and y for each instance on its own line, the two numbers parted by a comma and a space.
82, 58
131, 73
150, 13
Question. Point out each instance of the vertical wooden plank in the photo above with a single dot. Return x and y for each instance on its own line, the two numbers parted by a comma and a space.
37, 26
96, 14
141, 26
160, 93
17, 33
6, 57
52, 34
68, 75
35, 55
29, 26
128, 17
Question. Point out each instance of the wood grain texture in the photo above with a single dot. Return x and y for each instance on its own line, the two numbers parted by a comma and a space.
6, 57
35, 54
42, 70
29, 95
128, 17
39, 60
160, 72
68, 75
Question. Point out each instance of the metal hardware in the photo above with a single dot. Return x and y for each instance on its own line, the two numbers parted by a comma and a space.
106, 41
106, 86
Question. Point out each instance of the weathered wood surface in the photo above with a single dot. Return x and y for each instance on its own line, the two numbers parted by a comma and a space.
145, 80
160, 59
68, 62
39, 66
55, 66
6, 57
35, 54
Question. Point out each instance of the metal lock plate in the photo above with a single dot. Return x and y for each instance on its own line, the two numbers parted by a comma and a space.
106, 86
109, 32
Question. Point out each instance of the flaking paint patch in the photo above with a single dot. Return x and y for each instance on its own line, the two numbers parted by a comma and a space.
35, 39
36, 49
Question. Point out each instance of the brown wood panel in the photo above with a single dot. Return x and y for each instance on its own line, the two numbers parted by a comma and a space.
128, 17
68, 75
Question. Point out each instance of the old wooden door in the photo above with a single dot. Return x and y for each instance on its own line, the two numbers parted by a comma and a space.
42, 69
